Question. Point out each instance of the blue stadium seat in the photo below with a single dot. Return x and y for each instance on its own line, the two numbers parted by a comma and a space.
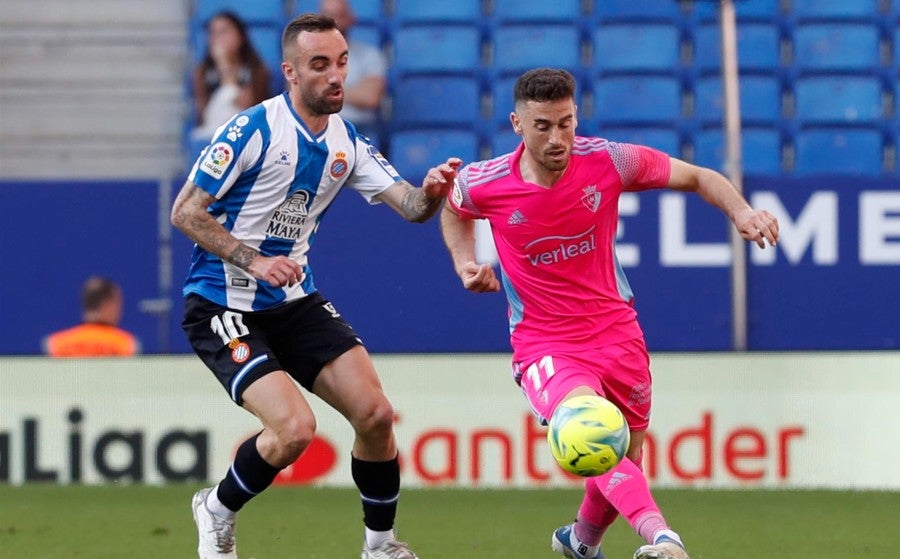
663, 139
537, 11
267, 41
838, 99
413, 152
843, 10
836, 47
758, 46
268, 12
436, 100
504, 140
437, 48
517, 48
761, 150
366, 33
746, 10
896, 56
631, 10
637, 100
419, 11
760, 98
637, 47
367, 12
502, 98
830, 151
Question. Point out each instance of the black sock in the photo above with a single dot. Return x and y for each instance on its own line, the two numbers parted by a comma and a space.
379, 487
248, 476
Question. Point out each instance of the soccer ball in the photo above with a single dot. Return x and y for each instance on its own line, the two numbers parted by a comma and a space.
588, 435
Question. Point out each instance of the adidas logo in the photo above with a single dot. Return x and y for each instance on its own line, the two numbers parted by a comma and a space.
517, 218
618, 479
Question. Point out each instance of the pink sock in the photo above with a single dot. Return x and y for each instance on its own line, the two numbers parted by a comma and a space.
626, 489
595, 515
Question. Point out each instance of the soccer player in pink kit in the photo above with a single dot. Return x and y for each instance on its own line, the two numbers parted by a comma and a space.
553, 209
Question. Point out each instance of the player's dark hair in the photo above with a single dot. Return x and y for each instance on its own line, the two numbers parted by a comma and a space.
314, 23
544, 84
96, 291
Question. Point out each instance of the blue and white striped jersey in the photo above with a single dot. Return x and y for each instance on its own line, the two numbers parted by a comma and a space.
273, 180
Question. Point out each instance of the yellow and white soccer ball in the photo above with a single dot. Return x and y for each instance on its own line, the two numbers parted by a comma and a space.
588, 435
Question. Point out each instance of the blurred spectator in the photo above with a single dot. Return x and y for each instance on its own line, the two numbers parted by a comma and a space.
366, 80
99, 334
230, 78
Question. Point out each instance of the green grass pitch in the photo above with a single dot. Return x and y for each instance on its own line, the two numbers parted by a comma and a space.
137, 522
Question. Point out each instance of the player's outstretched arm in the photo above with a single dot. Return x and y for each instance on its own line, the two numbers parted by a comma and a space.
758, 226
419, 204
190, 215
459, 236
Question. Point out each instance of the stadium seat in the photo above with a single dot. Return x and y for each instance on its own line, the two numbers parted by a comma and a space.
419, 11
836, 47
366, 33
760, 99
805, 10
413, 152
630, 10
769, 11
504, 140
663, 139
502, 98
832, 151
369, 12
838, 99
758, 47
267, 12
650, 48
437, 48
760, 154
267, 41
436, 100
637, 100
536, 11
517, 48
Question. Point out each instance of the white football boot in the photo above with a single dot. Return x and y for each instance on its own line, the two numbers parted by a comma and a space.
389, 550
216, 533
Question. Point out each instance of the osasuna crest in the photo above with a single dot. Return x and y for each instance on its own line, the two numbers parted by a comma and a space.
591, 198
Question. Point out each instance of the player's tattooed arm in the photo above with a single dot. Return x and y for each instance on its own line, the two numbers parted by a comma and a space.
190, 216
419, 204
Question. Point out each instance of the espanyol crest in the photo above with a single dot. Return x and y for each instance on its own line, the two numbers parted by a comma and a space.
591, 198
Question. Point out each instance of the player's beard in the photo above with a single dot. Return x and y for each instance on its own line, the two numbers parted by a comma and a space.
320, 104
552, 164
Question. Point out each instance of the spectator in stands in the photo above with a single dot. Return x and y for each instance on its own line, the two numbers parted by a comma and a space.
365, 83
99, 334
230, 78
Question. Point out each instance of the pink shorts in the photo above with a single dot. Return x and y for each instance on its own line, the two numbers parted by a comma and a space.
620, 373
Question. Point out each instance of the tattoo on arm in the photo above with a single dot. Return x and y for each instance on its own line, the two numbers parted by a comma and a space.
242, 256
191, 217
417, 207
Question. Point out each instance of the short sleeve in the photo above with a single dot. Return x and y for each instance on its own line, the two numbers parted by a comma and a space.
640, 167
460, 198
237, 145
372, 174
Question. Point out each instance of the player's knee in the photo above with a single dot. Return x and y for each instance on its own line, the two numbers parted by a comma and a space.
378, 420
294, 436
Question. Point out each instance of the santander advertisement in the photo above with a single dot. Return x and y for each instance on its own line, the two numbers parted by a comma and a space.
719, 420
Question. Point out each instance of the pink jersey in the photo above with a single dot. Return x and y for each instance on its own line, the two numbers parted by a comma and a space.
556, 245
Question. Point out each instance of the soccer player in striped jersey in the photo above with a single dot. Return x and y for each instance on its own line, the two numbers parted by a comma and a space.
553, 209
252, 204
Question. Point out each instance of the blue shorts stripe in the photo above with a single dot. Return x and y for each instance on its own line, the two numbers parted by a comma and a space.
236, 381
